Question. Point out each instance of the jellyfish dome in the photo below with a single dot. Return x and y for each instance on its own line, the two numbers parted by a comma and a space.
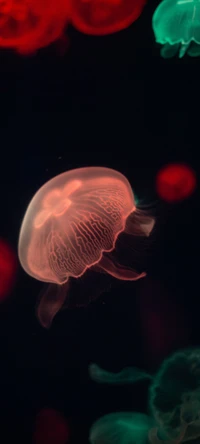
175, 398
121, 428
73, 223
101, 17
176, 25
28, 25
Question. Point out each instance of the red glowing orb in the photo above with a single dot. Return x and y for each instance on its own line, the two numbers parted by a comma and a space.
101, 17
8, 267
175, 182
28, 25
50, 428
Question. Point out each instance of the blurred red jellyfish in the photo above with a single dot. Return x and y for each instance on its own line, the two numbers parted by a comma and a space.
8, 268
175, 182
50, 428
101, 17
28, 25
72, 224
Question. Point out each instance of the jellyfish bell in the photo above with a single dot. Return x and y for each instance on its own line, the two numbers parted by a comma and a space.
121, 427
182, 39
175, 398
72, 225
101, 17
28, 25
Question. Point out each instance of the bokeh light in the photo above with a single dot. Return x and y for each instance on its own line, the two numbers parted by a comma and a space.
175, 182
8, 268
50, 428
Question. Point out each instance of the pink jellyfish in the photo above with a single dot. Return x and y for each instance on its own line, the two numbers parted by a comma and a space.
72, 224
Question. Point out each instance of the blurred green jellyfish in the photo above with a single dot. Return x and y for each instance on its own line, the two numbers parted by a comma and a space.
176, 25
174, 402
121, 428
174, 397
127, 376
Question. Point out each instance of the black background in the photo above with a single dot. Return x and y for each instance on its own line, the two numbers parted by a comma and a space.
109, 101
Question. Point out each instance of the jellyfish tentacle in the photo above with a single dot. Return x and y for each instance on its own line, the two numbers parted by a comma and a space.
50, 303
154, 439
169, 51
139, 223
119, 272
183, 49
128, 375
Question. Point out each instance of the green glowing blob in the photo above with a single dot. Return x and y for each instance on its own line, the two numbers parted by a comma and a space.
174, 404
121, 428
176, 25
174, 398
127, 376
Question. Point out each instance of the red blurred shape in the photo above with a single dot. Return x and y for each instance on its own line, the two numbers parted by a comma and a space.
50, 428
101, 17
28, 25
8, 268
163, 321
175, 182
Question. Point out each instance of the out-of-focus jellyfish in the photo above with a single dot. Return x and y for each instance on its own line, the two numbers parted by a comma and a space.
175, 182
28, 25
50, 428
174, 396
121, 428
176, 25
128, 375
101, 17
72, 224
8, 268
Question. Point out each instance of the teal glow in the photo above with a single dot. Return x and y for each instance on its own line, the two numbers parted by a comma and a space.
176, 25
128, 375
174, 404
121, 428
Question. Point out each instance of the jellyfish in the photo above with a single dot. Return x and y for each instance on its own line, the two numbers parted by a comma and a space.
101, 17
121, 428
128, 375
176, 25
174, 396
175, 182
72, 224
28, 25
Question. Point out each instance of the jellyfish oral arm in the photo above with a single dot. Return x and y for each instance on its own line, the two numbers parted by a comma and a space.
128, 375
119, 272
154, 439
50, 303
